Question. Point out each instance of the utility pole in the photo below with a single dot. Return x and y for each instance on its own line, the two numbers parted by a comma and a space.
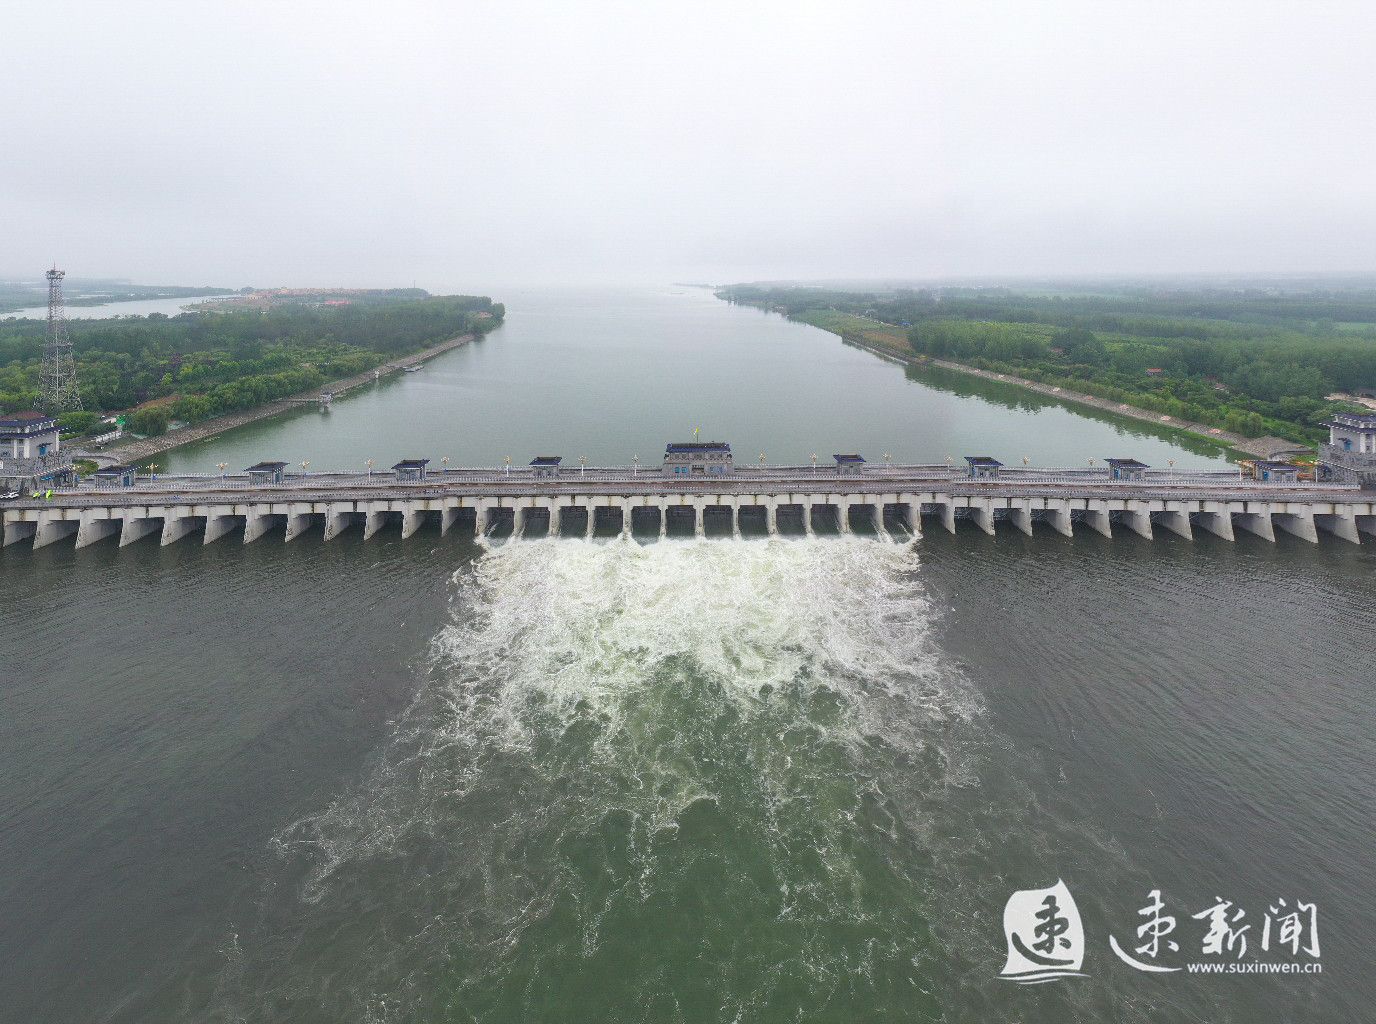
57, 391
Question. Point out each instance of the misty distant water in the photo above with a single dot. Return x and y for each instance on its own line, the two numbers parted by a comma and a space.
777, 779
133, 307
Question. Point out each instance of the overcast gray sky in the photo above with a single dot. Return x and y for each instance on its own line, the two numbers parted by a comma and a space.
470, 145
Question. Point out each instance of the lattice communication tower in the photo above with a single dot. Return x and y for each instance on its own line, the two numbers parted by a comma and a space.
57, 391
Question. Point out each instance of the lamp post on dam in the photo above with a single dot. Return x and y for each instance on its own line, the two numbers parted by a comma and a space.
697, 483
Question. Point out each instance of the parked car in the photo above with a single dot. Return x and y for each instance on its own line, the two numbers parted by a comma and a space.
9, 496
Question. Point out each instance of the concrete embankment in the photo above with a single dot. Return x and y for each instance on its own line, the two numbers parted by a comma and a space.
142, 450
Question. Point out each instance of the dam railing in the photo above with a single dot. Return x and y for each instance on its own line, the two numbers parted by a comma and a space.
741, 477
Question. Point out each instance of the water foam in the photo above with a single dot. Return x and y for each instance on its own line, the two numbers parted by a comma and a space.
564, 624
604, 725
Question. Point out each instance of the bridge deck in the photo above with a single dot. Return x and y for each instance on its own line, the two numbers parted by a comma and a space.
213, 507
236, 488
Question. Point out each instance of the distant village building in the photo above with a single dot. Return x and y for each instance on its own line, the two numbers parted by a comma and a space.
983, 467
1154, 371
546, 465
266, 473
698, 458
849, 465
410, 470
1126, 469
1351, 448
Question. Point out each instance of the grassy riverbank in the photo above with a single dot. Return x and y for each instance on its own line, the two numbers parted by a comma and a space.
885, 340
140, 450
1254, 366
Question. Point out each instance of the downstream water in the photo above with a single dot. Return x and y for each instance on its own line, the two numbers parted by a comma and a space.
760, 780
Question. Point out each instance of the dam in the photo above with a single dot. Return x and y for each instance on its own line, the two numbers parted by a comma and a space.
697, 484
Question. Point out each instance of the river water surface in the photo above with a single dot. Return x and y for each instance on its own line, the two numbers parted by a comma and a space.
131, 307
758, 780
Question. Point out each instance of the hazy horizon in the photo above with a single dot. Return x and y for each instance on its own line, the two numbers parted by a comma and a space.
482, 146
82, 286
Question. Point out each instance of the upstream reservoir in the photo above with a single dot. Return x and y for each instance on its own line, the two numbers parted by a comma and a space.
770, 779
613, 374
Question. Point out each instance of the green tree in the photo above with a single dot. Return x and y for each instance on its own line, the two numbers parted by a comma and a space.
150, 422
1082, 346
78, 422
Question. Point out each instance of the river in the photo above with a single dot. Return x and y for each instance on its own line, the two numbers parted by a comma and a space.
758, 780
101, 311
614, 374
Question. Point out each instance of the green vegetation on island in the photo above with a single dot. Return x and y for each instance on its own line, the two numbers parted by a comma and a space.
202, 364
1252, 361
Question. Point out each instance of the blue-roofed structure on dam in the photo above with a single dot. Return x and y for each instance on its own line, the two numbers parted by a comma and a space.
546, 465
983, 466
266, 473
1351, 449
31, 452
698, 458
1276, 472
410, 470
108, 477
1127, 469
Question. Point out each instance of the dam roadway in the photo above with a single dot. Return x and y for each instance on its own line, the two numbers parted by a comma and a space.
783, 499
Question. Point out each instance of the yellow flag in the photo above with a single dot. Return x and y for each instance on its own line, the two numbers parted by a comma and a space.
695, 432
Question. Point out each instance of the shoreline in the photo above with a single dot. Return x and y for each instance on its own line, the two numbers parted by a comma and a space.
140, 450
1259, 447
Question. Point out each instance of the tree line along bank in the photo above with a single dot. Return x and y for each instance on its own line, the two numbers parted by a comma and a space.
1253, 361
201, 364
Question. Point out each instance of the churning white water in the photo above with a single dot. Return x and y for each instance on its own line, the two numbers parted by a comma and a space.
559, 624
619, 639
609, 735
